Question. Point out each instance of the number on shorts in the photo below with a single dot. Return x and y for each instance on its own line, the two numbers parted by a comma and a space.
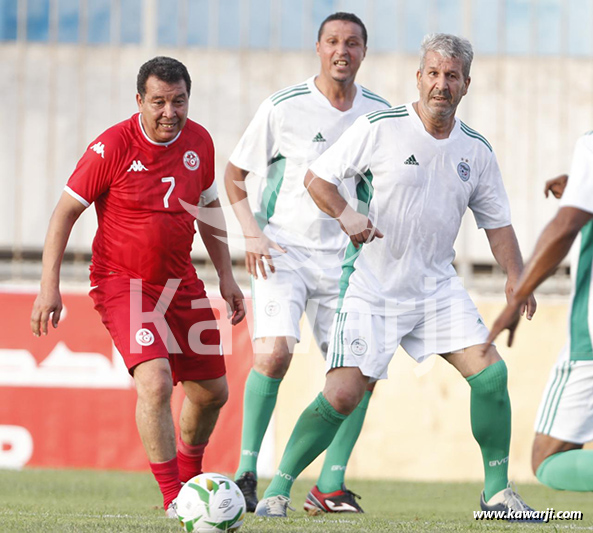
170, 180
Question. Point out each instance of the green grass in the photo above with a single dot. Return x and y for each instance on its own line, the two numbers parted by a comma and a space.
66, 501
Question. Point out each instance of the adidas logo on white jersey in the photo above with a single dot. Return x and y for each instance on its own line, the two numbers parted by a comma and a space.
319, 138
99, 148
137, 166
411, 161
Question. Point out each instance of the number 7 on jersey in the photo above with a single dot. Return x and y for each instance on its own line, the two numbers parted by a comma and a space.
170, 180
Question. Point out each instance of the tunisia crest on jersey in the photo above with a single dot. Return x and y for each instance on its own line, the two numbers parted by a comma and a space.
191, 160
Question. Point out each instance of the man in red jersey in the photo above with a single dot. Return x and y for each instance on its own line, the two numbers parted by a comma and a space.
147, 175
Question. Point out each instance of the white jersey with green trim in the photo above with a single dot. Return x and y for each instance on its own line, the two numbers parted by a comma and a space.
289, 131
415, 189
579, 194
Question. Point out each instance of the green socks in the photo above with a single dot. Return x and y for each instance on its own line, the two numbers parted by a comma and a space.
571, 470
260, 397
339, 451
491, 424
259, 401
313, 433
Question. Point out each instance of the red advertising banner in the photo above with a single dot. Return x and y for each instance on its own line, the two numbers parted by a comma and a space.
67, 400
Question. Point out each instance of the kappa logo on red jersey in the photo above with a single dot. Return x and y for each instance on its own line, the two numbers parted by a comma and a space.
137, 166
99, 148
191, 160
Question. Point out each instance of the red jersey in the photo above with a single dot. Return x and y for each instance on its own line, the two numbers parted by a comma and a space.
138, 187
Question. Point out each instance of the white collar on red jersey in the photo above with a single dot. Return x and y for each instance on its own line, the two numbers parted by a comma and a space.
149, 139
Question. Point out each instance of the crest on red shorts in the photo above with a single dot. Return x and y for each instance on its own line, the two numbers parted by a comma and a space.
144, 337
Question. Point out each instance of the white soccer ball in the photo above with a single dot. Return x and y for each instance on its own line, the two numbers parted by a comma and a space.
210, 503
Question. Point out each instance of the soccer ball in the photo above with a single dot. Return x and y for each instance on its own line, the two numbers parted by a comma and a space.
210, 503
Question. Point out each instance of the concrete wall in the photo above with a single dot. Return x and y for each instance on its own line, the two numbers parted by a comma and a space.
418, 423
59, 97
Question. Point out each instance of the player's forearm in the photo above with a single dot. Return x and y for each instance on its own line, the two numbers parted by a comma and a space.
234, 181
212, 228
220, 256
506, 251
325, 195
61, 223
543, 264
552, 246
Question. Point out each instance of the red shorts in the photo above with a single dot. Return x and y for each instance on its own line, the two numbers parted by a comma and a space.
149, 321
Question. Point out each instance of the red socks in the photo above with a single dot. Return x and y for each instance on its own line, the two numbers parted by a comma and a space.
171, 474
167, 476
189, 459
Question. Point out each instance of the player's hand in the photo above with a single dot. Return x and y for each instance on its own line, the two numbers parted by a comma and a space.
233, 296
258, 254
528, 307
358, 227
508, 319
48, 303
556, 186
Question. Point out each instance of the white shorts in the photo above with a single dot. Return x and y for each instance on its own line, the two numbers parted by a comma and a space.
566, 408
301, 283
439, 325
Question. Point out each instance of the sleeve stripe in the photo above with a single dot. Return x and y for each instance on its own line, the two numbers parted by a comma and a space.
372, 96
473, 133
398, 109
387, 115
291, 95
76, 196
283, 92
209, 195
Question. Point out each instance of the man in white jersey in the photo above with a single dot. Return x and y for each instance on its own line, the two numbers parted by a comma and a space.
293, 250
564, 422
417, 169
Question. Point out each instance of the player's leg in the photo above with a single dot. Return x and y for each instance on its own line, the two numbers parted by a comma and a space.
261, 392
333, 472
145, 355
320, 314
259, 401
154, 386
453, 327
330, 494
330, 490
490, 410
199, 365
314, 431
278, 304
459, 335
199, 413
562, 465
351, 362
563, 423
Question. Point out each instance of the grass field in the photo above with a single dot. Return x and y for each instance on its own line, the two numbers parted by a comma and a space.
60, 501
